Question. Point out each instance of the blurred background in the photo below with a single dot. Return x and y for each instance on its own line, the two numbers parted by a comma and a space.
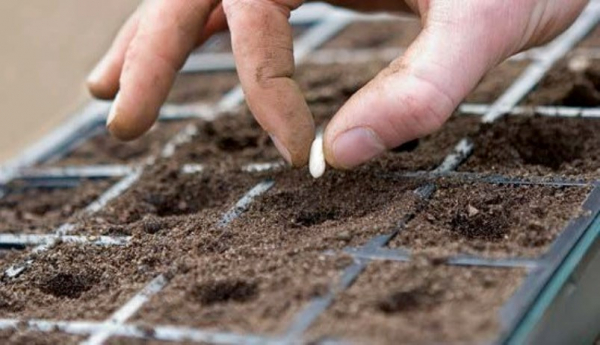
47, 49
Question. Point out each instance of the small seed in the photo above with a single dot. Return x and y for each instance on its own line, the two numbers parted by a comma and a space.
472, 211
317, 156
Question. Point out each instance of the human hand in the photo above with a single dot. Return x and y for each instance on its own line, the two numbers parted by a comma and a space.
414, 96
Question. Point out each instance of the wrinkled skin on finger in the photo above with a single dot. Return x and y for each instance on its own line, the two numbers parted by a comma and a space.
461, 40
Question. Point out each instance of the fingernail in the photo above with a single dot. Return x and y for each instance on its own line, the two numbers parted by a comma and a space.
98, 72
356, 146
112, 114
282, 149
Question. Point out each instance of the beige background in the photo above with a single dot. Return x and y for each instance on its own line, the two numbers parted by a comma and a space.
47, 47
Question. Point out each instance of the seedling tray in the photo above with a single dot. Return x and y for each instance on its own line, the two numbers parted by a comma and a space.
202, 235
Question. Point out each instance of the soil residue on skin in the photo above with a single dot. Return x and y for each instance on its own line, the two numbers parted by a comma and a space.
165, 197
371, 35
221, 42
564, 86
537, 145
202, 87
104, 149
236, 292
491, 220
22, 337
419, 303
43, 210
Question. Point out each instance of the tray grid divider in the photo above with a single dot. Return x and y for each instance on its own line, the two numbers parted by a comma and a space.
118, 325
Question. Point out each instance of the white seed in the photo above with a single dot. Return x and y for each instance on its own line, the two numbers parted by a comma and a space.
317, 156
579, 64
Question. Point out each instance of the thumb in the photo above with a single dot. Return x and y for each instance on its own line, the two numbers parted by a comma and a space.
417, 93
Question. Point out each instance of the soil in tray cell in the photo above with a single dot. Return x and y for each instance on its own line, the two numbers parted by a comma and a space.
592, 40
10, 256
496, 82
243, 294
327, 87
490, 220
339, 209
569, 84
232, 140
537, 145
23, 337
237, 139
77, 281
202, 87
376, 35
165, 198
105, 149
43, 210
396, 303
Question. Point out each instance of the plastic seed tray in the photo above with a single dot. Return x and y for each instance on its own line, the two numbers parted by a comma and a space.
306, 273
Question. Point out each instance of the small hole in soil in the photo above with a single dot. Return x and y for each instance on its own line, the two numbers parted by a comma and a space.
223, 291
312, 217
67, 285
486, 221
547, 146
585, 92
404, 301
407, 147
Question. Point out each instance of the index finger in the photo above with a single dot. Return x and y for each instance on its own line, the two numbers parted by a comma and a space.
263, 48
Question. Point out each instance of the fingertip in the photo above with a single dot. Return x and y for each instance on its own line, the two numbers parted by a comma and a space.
354, 147
123, 126
99, 83
299, 145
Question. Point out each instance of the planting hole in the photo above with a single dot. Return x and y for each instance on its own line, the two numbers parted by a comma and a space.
487, 220
410, 300
67, 285
224, 291
312, 217
547, 146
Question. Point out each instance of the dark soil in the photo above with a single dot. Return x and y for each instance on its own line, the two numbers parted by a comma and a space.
84, 282
394, 303
369, 35
592, 40
327, 87
342, 208
538, 145
202, 87
165, 198
562, 86
7, 256
105, 149
42, 210
234, 140
242, 293
230, 141
22, 337
491, 220
496, 82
